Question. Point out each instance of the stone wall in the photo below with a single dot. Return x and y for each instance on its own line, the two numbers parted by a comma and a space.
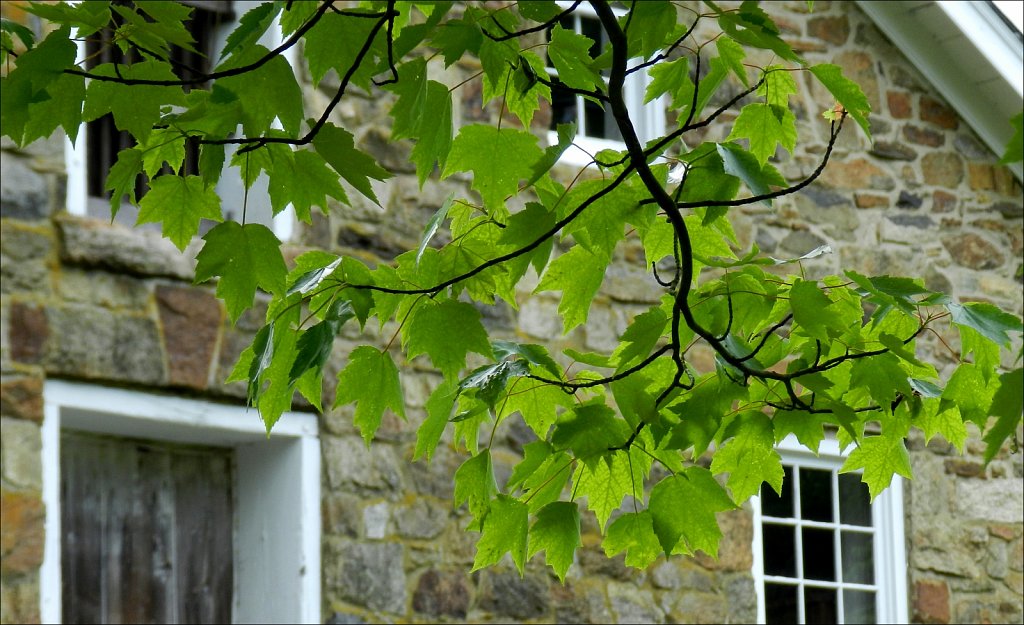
85, 300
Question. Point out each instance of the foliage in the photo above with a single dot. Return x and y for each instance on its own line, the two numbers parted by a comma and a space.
793, 355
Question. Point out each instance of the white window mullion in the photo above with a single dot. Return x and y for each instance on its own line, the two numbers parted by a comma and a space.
837, 547
799, 541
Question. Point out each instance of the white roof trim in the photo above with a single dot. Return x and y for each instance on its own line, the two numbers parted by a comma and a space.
971, 57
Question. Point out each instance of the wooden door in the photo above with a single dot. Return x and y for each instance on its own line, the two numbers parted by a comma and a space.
147, 531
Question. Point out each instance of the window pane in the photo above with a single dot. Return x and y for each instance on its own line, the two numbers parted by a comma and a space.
854, 501
776, 505
859, 606
815, 495
779, 549
780, 603
858, 558
820, 605
819, 554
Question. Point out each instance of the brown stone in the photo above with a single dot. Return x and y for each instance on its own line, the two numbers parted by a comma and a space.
441, 594
835, 30
964, 468
971, 250
21, 532
1006, 532
22, 398
900, 104
29, 331
893, 151
981, 177
931, 602
944, 169
867, 200
938, 113
943, 202
857, 174
923, 136
191, 318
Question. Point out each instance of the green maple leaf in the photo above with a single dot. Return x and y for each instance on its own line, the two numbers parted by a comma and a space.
1007, 405
808, 428
749, 457
244, 257
607, 481
934, 419
640, 337
251, 27
970, 392
370, 379
337, 147
534, 455
439, 410
578, 274
537, 402
847, 92
303, 180
62, 107
671, 77
446, 332
696, 492
556, 532
546, 484
759, 178
271, 388
510, 158
335, 43
589, 431
519, 86
87, 17
881, 457
987, 319
122, 177
268, 92
180, 203
435, 139
570, 54
505, 530
164, 145
765, 126
1014, 152
522, 229
813, 311
315, 344
732, 55
136, 108
633, 533
474, 484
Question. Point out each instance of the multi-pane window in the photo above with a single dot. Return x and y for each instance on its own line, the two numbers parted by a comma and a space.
596, 129
823, 552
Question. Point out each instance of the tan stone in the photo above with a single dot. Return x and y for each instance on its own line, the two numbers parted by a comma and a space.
22, 398
834, 30
943, 169
981, 176
867, 200
856, 174
21, 533
943, 202
971, 250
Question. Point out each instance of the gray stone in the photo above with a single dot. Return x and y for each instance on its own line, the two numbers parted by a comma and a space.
340, 618
23, 192
632, 605
998, 564
913, 221
1009, 210
909, 200
800, 242
94, 343
372, 575
422, 519
441, 594
23, 257
891, 150
700, 607
969, 147
739, 588
824, 197
999, 500
506, 594
434, 478
96, 243
104, 289
538, 317
20, 449
351, 464
375, 520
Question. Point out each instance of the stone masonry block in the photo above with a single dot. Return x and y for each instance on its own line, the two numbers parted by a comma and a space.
191, 319
22, 398
20, 448
21, 532
23, 192
931, 602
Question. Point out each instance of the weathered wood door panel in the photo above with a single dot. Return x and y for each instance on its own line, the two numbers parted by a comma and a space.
147, 531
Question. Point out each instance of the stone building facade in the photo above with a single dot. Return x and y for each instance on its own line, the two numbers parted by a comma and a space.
99, 304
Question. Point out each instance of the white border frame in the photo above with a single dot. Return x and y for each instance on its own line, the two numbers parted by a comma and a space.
277, 489
890, 555
648, 119
75, 153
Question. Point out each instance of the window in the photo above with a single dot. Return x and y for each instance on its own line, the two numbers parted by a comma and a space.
822, 552
181, 455
596, 129
89, 160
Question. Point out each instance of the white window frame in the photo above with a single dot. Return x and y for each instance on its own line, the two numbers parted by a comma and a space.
277, 490
889, 549
229, 186
648, 119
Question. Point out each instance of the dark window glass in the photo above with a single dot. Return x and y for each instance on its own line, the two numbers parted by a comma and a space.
779, 505
854, 500
858, 558
780, 603
859, 606
819, 554
815, 495
779, 549
820, 605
